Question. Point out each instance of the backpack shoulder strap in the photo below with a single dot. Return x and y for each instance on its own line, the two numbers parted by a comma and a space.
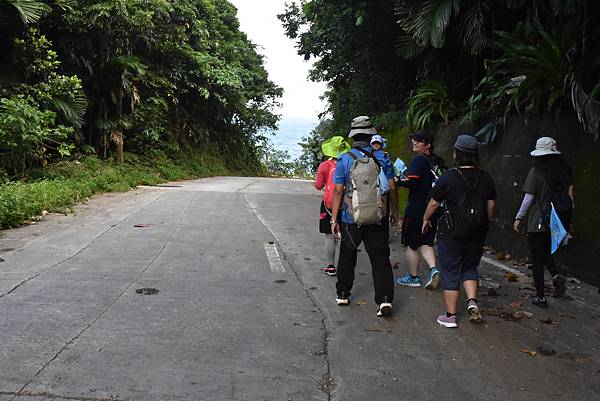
352, 155
475, 183
371, 155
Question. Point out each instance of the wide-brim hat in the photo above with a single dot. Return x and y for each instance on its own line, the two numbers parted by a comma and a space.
545, 146
362, 125
335, 147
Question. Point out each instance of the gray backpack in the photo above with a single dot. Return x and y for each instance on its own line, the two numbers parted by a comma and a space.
362, 194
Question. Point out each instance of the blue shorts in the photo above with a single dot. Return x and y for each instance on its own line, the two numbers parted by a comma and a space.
457, 265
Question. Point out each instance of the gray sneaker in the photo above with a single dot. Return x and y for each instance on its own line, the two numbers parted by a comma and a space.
474, 313
446, 321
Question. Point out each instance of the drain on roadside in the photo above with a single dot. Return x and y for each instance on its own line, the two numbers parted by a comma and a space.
280, 281
147, 291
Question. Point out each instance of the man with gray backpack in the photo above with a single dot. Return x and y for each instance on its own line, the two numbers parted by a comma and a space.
365, 215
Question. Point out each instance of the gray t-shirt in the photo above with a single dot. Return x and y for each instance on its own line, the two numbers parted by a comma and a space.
536, 185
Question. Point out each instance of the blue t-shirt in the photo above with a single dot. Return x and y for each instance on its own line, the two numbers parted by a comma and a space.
342, 173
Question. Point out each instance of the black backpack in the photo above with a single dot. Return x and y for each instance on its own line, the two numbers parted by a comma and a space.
469, 217
563, 204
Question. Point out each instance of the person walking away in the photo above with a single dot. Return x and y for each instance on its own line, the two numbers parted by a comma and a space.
549, 182
469, 194
358, 199
421, 175
332, 149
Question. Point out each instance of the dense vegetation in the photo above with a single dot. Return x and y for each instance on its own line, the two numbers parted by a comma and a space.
150, 77
417, 63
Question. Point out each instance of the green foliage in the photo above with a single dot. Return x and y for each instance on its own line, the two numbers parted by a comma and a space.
66, 183
27, 134
538, 70
140, 75
428, 103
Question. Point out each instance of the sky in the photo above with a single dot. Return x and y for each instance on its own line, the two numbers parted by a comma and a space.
258, 19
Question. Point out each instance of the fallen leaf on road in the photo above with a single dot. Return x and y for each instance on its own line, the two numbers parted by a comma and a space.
142, 225
549, 321
546, 351
500, 256
512, 277
361, 303
516, 304
528, 352
147, 291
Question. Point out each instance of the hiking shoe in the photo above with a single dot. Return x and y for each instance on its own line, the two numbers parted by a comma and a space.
342, 300
474, 313
559, 285
446, 321
433, 280
385, 309
330, 270
540, 301
408, 281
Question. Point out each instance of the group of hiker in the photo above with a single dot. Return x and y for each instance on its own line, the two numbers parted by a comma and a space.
448, 209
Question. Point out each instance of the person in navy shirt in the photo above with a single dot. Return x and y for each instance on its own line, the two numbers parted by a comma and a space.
420, 177
375, 236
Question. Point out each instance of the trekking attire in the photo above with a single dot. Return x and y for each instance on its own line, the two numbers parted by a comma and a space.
332, 148
463, 226
460, 257
374, 235
422, 173
420, 181
541, 189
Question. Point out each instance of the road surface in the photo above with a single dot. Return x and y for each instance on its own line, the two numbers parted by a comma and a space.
244, 312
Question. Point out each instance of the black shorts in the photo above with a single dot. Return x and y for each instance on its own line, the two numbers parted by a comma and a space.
411, 232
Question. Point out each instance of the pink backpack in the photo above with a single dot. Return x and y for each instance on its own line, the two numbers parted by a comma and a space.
329, 186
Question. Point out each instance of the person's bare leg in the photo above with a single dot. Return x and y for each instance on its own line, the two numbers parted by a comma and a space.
470, 288
412, 257
451, 300
428, 254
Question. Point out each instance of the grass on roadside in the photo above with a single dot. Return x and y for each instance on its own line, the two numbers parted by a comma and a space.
64, 184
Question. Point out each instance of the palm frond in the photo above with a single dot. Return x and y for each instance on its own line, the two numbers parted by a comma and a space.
586, 107
30, 11
408, 48
440, 21
72, 109
472, 28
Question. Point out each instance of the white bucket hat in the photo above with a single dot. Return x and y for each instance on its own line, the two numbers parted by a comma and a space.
361, 125
545, 146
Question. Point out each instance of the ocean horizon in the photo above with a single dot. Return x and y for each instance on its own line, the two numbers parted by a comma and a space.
290, 133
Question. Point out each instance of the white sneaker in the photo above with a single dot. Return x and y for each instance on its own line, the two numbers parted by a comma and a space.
385, 309
342, 301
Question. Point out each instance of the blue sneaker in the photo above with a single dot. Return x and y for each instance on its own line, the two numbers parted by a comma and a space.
408, 281
433, 280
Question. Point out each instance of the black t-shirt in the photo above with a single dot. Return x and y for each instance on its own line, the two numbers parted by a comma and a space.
449, 188
421, 179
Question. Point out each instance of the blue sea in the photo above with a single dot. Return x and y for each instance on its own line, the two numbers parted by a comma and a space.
290, 133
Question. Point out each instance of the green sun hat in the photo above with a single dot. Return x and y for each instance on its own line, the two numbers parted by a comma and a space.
335, 147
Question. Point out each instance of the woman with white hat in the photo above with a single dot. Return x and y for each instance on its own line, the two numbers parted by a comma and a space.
548, 178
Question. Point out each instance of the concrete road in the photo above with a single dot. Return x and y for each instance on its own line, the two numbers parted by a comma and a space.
244, 311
